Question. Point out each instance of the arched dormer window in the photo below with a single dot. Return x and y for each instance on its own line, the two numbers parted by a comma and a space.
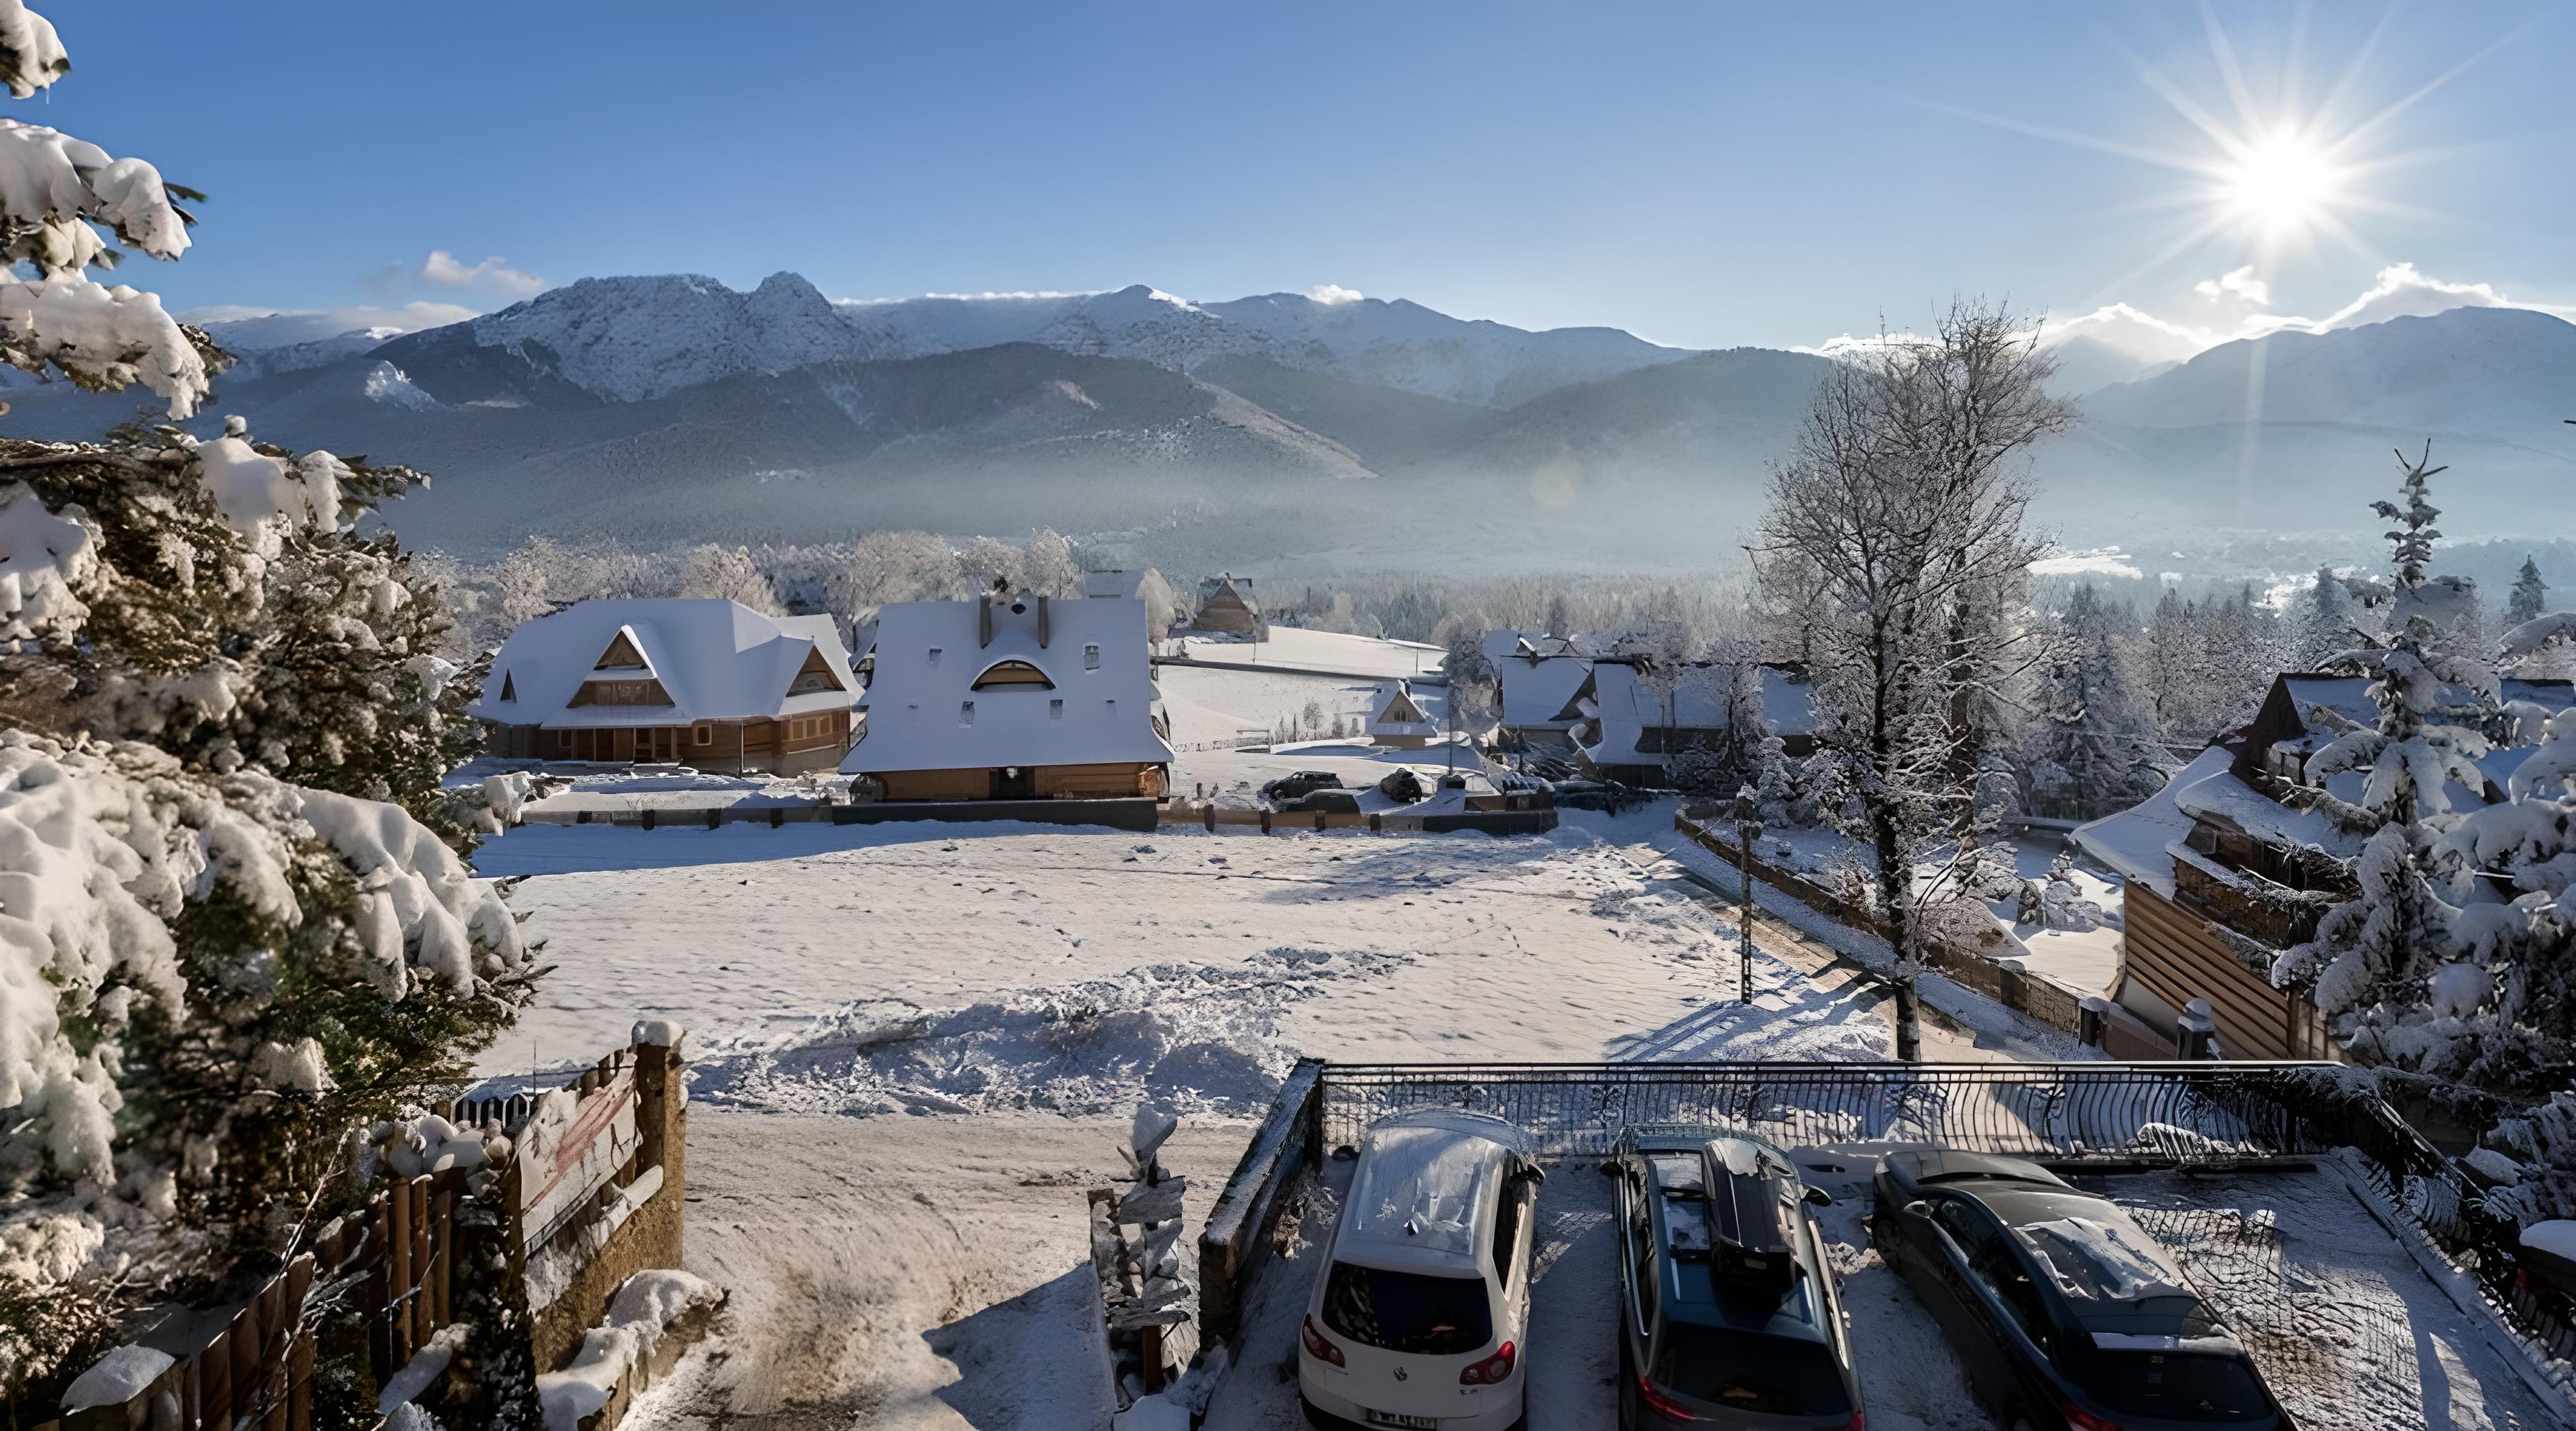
1013, 675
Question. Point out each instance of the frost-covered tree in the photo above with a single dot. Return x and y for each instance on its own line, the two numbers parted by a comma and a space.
1904, 498
2323, 623
730, 574
2386, 968
886, 567
2092, 751
988, 564
2530, 596
1047, 567
223, 941
1162, 606
56, 195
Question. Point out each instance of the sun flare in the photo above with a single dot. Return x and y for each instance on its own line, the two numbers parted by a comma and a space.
2279, 184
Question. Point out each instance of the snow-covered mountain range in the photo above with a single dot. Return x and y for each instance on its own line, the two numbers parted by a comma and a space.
628, 339
676, 408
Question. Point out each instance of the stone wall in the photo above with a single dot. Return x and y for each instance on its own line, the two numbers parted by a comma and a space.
650, 1235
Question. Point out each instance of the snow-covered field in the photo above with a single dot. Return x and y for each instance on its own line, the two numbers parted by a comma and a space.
1318, 651
2348, 1332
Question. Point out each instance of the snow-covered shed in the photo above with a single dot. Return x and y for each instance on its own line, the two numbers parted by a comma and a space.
697, 681
1397, 719
1636, 719
1226, 604
1013, 698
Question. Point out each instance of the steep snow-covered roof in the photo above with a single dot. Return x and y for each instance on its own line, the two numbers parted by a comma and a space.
2134, 841
2225, 798
1631, 712
716, 660
1540, 692
1084, 695
1395, 712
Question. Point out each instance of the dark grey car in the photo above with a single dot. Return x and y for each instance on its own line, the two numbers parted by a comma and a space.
2066, 1313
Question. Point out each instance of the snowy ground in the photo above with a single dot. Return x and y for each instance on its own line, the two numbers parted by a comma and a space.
2347, 1331
659, 787
1318, 651
2084, 960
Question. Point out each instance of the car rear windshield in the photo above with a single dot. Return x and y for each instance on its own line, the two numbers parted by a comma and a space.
1743, 1371
1408, 1311
2180, 1385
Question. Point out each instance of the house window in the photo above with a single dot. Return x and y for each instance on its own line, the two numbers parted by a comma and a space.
509, 688
563, 742
1091, 656
1055, 709
704, 733
1008, 675
965, 712
934, 655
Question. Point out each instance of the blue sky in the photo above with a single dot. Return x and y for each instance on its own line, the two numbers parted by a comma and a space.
1703, 174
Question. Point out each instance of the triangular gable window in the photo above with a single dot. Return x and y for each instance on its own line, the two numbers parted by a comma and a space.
815, 675
509, 688
620, 655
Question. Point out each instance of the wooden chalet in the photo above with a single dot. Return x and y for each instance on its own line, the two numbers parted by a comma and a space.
2231, 863
1013, 698
706, 683
1226, 604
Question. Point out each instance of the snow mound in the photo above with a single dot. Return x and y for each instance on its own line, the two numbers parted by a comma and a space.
645, 1308
1196, 1037
118, 1377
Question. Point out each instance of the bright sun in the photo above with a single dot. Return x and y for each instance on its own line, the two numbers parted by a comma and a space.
2278, 184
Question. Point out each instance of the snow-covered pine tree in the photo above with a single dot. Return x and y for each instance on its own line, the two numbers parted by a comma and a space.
220, 951
2324, 622
2385, 968
2530, 597
2092, 751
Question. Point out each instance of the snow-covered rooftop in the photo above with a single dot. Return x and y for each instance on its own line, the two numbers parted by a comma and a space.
1542, 691
2134, 841
714, 659
1062, 683
1632, 708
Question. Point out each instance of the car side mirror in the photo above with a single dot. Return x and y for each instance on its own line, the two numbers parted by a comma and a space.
1531, 1173
1818, 1197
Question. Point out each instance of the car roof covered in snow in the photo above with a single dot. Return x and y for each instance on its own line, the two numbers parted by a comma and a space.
1422, 1198
1093, 701
715, 659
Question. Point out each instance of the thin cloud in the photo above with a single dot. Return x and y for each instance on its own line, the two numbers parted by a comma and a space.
493, 275
2240, 282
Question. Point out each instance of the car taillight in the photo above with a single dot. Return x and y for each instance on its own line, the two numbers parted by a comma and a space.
1660, 1404
1492, 1370
2079, 1419
1859, 1422
1320, 1349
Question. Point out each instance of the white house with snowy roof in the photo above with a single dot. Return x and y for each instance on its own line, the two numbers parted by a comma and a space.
1013, 698
1541, 682
1636, 719
695, 681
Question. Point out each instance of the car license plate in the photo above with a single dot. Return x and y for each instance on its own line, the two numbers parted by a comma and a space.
1390, 1418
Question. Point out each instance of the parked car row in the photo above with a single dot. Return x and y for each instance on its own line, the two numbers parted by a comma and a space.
2066, 1315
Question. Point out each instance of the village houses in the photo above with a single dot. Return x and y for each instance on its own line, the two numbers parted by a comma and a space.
708, 683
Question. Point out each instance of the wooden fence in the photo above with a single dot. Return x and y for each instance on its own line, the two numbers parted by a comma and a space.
391, 1265
1985, 973
391, 1262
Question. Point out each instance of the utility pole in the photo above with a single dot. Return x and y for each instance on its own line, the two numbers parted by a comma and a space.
1748, 828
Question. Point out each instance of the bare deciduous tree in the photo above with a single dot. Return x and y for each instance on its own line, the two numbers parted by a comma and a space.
1901, 508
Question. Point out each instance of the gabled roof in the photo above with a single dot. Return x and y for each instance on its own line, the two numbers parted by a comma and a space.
930, 654
1396, 712
1541, 692
1634, 717
713, 659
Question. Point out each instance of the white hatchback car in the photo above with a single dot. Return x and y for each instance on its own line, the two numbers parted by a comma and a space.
1420, 1314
